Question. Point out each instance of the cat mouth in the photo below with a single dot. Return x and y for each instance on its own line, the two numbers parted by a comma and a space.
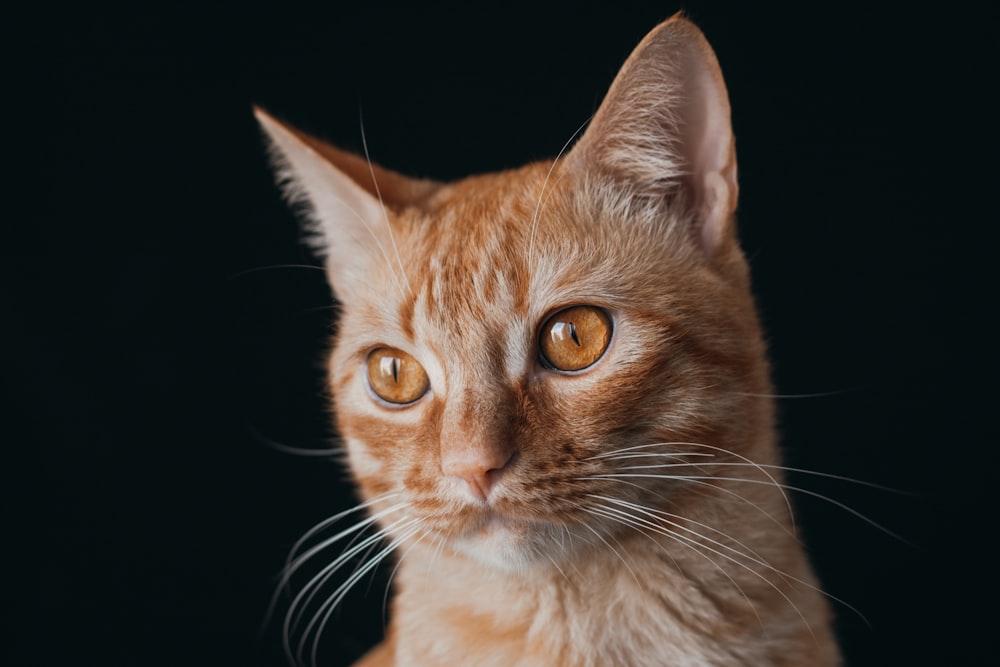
496, 538
492, 520
492, 526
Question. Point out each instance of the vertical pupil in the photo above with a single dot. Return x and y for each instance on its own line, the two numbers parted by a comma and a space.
390, 366
572, 333
560, 330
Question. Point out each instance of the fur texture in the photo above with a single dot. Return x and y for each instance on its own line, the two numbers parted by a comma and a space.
627, 514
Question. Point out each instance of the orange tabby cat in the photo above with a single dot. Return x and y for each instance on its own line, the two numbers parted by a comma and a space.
554, 395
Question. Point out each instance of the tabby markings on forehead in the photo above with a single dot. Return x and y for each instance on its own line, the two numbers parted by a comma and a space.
467, 273
477, 335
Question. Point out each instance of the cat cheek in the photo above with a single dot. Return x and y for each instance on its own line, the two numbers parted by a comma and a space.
372, 439
363, 463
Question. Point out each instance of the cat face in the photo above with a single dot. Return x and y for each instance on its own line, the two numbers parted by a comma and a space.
540, 344
512, 346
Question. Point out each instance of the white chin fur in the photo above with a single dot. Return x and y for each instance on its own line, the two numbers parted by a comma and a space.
509, 547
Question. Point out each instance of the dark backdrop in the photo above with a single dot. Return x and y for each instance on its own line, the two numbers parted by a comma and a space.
148, 362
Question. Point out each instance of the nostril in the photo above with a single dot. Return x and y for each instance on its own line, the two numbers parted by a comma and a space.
480, 485
479, 473
496, 472
479, 482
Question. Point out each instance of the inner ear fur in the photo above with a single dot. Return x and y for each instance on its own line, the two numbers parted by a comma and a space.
664, 130
348, 203
395, 190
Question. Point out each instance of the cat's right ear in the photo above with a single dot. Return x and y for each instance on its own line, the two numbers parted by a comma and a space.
348, 202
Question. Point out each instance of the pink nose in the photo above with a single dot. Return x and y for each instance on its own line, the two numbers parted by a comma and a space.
480, 470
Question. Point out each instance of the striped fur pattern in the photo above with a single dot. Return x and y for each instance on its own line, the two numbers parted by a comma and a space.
628, 514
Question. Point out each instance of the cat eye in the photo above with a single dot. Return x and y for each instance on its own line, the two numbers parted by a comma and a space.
575, 338
395, 376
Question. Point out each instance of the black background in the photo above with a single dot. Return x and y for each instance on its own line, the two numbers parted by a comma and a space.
146, 517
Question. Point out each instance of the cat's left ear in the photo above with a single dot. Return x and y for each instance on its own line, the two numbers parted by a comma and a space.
663, 130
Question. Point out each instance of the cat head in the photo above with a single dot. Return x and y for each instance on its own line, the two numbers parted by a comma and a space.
511, 342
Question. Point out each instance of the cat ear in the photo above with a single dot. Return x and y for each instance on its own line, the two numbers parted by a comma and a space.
663, 130
349, 201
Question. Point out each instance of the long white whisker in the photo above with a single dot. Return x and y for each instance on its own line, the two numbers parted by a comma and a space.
846, 508
759, 559
437, 552
556, 565
667, 518
541, 192
714, 487
617, 456
626, 520
298, 606
302, 540
296, 451
375, 238
669, 533
788, 502
633, 448
240, 274
388, 584
343, 557
295, 563
331, 603
614, 551
803, 471
819, 394
777, 485
385, 214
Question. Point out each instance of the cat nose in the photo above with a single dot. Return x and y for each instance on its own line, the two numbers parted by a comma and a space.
479, 469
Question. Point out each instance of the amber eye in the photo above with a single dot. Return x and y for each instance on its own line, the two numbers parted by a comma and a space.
395, 376
575, 338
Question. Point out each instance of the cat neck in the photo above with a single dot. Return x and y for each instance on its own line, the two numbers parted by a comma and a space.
699, 602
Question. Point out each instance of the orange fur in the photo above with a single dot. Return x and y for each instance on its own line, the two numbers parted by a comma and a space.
561, 560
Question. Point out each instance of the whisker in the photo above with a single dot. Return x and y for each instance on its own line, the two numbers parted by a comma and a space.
698, 482
437, 552
295, 196
788, 503
297, 609
338, 595
378, 243
846, 508
270, 267
298, 606
286, 574
385, 214
669, 533
556, 565
541, 192
819, 394
623, 519
566, 545
803, 471
621, 454
388, 583
295, 451
294, 561
660, 515
614, 551
758, 558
